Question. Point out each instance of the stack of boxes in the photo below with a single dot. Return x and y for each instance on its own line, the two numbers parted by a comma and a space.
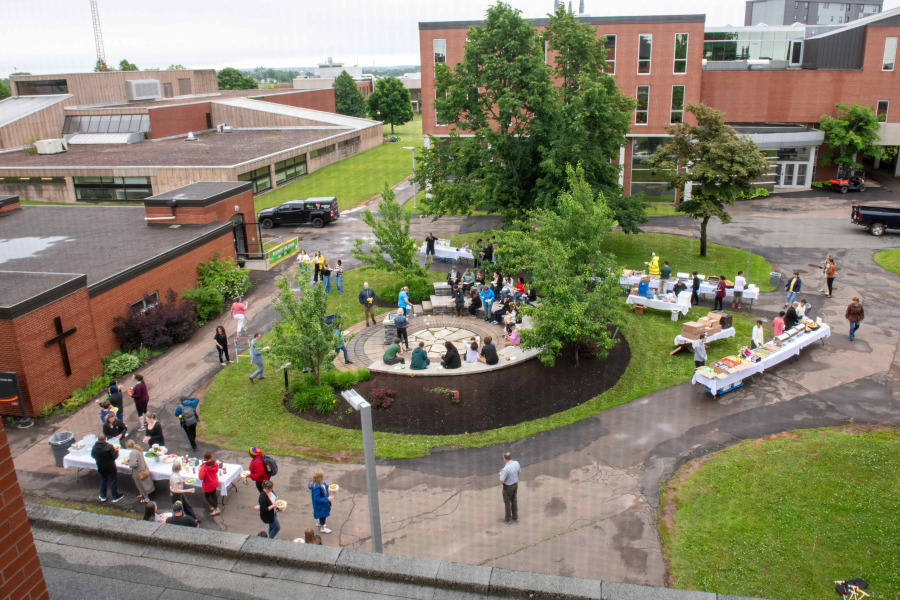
711, 324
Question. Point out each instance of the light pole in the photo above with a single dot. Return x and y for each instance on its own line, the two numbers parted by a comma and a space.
414, 173
365, 415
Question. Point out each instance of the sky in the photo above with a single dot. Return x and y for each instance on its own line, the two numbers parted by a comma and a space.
56, 36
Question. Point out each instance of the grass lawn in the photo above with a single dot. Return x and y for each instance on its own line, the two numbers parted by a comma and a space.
660, 209
238, 415
91, 508
889, 259
358, 178
786, 517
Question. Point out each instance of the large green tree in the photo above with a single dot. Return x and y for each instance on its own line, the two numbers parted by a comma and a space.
390, 102
124, 65
577, 282
232, 79
854, 130
101, 65
720, 164
394, 249
348, 100
4, 90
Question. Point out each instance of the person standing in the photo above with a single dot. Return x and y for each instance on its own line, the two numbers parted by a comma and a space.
221, 339
695, 290
829, 276
187, 415
105, 455
154, 431
239, 313
393, 355
177, 491
141, 398
257, 469
326, 276
791, 318
720, 294
267, 509
664, 275
757, 337
342, 347
209, 475
403, 301
740, 282
367, 300
429, 248
320, 500
114, 395
509, 476
114, 428
792, 288
487, 301
778, 324
824, 284
854, 314
318, 260
653, 265
256, 357
678, 287
303, 263
400, 324
140, 473
339, 277
699, 351
459, 300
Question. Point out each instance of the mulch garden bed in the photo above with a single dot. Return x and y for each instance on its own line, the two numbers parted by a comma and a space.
486, 400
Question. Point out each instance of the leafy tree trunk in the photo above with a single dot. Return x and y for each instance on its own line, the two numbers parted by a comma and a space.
703, 225
392, 129
577, 353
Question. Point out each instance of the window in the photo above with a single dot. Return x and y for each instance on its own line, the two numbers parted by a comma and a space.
643, 105
610, 46
681, 48
796, 5
643, 180
42, 87
440, 51
146, 303
676, 115
890, 53
111, 189
107, 124
322, 151
825, 5
32, 181
796, 52
350, 142
882, 110
645, 44
290, 169
259, 177
804, 18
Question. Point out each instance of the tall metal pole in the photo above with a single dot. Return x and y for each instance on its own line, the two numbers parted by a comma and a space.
365, 413
414, 178
98, 37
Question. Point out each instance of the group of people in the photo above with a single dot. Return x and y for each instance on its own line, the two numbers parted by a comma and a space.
321, 270
450, 358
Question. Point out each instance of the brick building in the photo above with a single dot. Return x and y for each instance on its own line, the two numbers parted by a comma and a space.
69, 271
771, 83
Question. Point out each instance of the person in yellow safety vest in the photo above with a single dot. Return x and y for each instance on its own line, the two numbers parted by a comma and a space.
653, 264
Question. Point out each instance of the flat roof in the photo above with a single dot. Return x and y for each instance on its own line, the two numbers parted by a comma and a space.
14, 108
200, 194
107, 244
210, 150
191, 99
543, 22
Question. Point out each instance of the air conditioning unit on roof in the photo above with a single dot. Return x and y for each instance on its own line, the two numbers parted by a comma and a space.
143, 89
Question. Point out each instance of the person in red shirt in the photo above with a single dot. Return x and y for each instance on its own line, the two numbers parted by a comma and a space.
778, 323
720, 294
257, 468
141, 398
209, 475
238, 311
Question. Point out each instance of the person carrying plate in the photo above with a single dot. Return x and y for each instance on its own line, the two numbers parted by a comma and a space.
320, 500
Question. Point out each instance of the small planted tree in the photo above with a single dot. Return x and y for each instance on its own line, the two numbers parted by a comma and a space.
721, 165
348, 100
394, 249
302, 337
124, 65
390, 102
854, 130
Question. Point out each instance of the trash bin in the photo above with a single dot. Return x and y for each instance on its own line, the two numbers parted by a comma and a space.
60, 443
774, 278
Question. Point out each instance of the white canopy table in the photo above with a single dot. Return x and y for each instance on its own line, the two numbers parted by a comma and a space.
449, 253
750, 293
680, 306
725, 333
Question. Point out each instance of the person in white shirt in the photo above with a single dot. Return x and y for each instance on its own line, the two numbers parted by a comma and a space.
739, 284
801, 310
757, 339
509, 476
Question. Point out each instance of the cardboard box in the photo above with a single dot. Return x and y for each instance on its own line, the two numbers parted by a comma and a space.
627, 273
713, 329
713, 316
645, 279
692, 327
704, 321
690, 335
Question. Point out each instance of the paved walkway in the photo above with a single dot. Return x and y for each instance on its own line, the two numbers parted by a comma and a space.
589, 491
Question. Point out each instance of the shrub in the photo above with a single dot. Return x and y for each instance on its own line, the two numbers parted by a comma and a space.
419, 289
222, 274
119, 363
157, 328
323, 398
208, 300
382, 397
344, 379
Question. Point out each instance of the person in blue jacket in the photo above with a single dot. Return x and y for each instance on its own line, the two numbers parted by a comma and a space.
320, 500
188, 416
487, 300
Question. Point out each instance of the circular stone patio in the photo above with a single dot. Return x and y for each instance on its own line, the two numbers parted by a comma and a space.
367, 346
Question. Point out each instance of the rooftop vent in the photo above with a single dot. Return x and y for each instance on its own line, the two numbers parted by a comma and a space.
143, 89
190, 137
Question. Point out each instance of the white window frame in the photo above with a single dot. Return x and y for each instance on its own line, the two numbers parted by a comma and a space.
615, 49
143, 305
434, 53
646, 110
675, 51
649, 60
672, 109
884, 59
887, 108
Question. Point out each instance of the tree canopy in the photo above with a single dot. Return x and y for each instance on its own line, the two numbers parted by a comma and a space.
232, 79
854, 130
124, 65
348, 100
390, 102
394, 249
720, 164
101, 65
4, 90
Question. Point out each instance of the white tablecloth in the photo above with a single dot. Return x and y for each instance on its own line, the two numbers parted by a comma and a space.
159, 471
725, 333
682, 306
790, 348
705, 288
449, 252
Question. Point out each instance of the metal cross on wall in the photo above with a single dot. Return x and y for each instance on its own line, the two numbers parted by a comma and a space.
60, 339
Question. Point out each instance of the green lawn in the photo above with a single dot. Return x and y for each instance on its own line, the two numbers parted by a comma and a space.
238, 414
661, 209
358, 178
889, 259
100, 509
347, 305
785, 518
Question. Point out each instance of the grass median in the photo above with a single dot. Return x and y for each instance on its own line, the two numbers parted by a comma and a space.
786, 517
889, 259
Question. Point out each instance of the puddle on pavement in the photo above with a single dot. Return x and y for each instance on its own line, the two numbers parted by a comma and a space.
26, 247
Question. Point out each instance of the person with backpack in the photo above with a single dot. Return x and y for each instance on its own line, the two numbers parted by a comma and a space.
186, 413
262, 468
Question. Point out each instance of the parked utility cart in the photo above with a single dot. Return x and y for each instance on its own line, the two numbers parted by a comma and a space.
849, 180
876, 219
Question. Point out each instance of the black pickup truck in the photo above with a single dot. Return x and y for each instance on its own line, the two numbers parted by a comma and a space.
876, 218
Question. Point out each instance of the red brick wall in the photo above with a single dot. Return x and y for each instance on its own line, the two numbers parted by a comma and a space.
21, 577
178, 274
9, 207
220, 211
41, 375
177, 120
312, 99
